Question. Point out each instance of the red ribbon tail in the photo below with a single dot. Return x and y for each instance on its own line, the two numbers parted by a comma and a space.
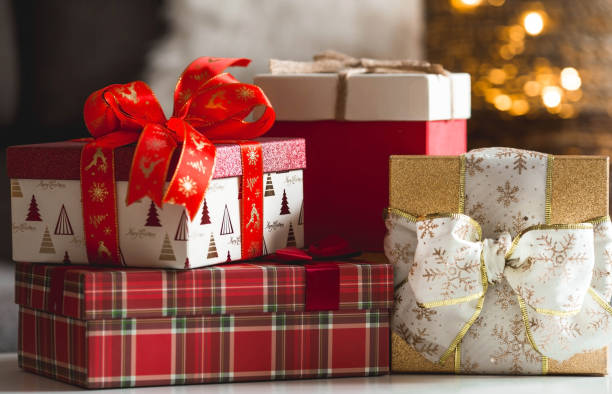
193, 172
150, 164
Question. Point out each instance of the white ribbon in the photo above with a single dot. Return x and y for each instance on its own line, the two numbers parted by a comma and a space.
561, 276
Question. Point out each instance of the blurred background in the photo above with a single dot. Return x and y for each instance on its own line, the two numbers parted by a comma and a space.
539, 68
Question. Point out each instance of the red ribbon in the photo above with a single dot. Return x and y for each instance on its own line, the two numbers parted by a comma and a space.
208, 105
323, 277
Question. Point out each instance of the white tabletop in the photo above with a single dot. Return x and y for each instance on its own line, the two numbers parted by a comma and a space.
13, 379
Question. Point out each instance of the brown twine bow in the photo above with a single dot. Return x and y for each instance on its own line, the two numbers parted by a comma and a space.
331, 61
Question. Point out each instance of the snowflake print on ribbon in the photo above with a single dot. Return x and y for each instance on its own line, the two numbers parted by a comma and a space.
252, 156
401, 253
520, 157
505, 297
98, 192
417, 339
518, 224
456, 274
156, 144
187, 186
513, 345
557, 257
427, 228
507, 194
424, 313
599, 319
244, 93
473, 165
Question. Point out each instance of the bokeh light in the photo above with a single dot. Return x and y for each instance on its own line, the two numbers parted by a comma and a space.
551, 96
570, 79
533, 23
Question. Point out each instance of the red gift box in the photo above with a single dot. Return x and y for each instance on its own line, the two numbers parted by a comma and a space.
46, 207
99, 327
351, 126
346, 184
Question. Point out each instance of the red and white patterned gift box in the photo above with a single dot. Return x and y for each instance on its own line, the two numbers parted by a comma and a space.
101, 327
47, 212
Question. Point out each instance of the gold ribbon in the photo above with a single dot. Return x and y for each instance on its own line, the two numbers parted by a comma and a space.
331, 61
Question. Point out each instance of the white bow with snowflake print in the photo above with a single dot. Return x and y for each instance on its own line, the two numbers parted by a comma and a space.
560, 276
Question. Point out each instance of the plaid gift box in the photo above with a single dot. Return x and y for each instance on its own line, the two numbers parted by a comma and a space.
98, 327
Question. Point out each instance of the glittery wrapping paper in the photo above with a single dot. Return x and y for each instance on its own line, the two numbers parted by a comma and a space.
422, 185
61, 160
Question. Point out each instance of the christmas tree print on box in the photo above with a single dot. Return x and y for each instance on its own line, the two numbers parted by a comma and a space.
212, 248
182, 231
15, 189
226, 223
167, 253
269, 192
291, 236
301, 218
46, 245
63, 226
284, 204
33, 214
152, 216
149, 235
205, 214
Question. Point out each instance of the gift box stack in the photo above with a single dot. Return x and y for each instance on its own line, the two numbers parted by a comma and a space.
128, 242
119, 240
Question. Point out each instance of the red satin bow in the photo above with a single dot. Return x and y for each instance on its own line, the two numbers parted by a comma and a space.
208, 105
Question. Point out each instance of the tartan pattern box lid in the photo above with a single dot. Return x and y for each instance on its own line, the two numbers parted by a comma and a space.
99, 327
92, 293
47, 212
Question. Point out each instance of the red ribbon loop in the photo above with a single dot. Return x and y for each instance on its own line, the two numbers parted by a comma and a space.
208, 105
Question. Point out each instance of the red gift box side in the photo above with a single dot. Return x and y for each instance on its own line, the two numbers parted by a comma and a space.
346, 183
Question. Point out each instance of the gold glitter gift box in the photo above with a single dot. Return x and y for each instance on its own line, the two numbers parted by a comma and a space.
575, 190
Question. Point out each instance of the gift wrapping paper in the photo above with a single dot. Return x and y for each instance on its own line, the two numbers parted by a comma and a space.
47, 216
103, 293
501, 193
351, 168
204, 349
101, 327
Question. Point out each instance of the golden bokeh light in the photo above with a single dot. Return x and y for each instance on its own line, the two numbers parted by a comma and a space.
574, 95
503, 102
551, 96
465, 4
497, 3
517, 33
570, 79
497, 76
533, 22
519, 107
532, 88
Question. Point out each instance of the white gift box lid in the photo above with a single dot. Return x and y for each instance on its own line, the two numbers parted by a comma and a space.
370, 97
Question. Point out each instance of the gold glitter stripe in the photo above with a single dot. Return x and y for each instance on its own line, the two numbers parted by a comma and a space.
577, 226
466, 327
452, 301
544, 365
458, 359
525, 316
549, 169
399, 212
461, 208
556, 313
599, 220
600, 300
